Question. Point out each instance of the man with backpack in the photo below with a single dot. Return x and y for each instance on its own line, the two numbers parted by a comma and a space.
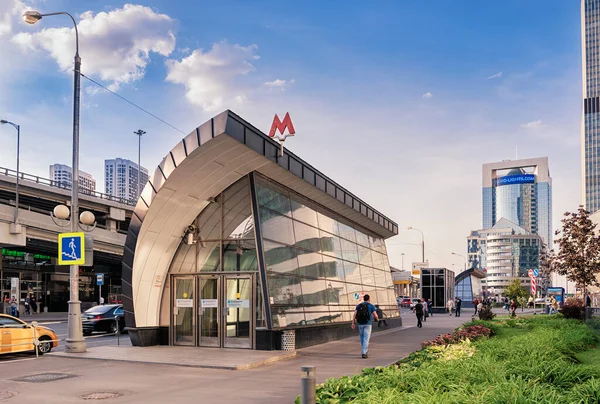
364, 314
419, 312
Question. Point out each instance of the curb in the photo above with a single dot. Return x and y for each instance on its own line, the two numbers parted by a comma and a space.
252, 365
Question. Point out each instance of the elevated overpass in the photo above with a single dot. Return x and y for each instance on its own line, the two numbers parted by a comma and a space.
30, 252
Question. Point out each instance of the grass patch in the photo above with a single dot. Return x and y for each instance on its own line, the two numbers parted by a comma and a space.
536, 360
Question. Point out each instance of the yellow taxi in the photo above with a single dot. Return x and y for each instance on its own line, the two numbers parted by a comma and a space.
18, 336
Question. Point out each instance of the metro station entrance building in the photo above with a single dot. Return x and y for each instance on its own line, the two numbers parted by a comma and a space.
232, 244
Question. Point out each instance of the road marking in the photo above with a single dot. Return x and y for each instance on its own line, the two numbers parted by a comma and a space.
52, 322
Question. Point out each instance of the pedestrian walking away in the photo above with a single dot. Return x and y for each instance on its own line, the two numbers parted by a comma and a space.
34, 306
457, 307
364, 314
27, 306
506, 304
429, 308
380, 316
419, 312
425, 309
475, 304
450, 306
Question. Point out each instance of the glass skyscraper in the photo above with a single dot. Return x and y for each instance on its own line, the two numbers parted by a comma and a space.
521, 192
590, 137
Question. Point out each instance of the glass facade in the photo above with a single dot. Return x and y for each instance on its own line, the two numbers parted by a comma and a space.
468, 287
591, 104
318, 267
437, 284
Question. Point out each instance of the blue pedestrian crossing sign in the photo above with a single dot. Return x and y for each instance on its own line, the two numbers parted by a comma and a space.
71, 248
535, 273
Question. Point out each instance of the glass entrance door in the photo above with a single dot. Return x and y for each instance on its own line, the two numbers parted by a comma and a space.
208, 311
238, 309
183, 311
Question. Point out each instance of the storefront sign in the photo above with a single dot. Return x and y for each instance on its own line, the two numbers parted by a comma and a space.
236, 304
185, 303
209, 303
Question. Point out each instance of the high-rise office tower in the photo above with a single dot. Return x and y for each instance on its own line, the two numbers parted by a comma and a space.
521, 192
62, 175
590, 131
121, 178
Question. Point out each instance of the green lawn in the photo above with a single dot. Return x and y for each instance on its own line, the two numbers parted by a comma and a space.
544, 359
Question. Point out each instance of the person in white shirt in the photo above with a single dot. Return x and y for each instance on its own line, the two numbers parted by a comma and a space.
450, 306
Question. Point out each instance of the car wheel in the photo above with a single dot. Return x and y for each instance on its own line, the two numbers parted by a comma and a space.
112, 329
45, 346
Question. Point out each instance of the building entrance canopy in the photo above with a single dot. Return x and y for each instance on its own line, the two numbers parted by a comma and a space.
224, 201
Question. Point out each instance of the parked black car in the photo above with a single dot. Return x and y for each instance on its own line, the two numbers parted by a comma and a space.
102, 318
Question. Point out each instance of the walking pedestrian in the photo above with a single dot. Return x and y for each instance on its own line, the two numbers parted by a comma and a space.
457, 307
27, 306
14, 307
34, 306
425, 309
419, 312
380, 316
364, 314
553, 306
475, 303
506, 304
429, 308
513, 308
450, 306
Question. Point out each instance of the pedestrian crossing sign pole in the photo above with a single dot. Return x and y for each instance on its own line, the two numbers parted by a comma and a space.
71, 248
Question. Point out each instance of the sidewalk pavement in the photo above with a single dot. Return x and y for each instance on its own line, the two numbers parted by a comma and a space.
276, 383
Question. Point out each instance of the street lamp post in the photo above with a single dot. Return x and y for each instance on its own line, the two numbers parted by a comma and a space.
463, 257
74, 342
422, 242
18, 128
139, 133
402, 261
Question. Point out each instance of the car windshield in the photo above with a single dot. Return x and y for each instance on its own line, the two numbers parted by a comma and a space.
99, 309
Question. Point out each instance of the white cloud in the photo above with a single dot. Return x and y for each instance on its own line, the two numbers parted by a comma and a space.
427, 95
278, 84
495, 76
9, 11
210, 78
115, 45
533, 124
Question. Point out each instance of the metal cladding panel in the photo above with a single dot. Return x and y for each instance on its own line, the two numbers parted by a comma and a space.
179, 153
205, 132
191, 142
167, 166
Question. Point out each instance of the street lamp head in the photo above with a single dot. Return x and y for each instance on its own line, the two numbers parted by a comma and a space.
3, 122
409, 228
87, 218
31, 16
61, 212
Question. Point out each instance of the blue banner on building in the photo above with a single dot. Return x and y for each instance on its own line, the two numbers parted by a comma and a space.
516, 179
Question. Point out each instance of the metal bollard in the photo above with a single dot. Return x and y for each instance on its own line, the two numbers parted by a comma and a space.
308, 384
118, 330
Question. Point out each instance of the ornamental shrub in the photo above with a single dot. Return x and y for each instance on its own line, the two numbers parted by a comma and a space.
486, 313
574, 308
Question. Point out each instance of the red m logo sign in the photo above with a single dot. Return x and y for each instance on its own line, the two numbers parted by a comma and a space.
282, 126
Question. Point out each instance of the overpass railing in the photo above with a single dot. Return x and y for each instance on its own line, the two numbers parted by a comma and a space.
66, 186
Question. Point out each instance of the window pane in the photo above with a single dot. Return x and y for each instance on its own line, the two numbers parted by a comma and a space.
338, 294
362, 239
367, 276
208, 222
317, 317
380, 279
347, 232
280, 259
364, 256
209, 254
287, 316
284, 290
272, 199
328, 224
352, 273
334, 268
304, 213
315, 293
237, 211
276, 227
307, 237
349, 251
330, 244
378, 261
310, 265
240, 256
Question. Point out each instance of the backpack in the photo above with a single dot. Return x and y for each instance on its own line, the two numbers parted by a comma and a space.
363, 315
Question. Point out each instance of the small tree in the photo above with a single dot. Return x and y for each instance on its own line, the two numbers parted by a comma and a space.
546, 269
578, 254
516, 290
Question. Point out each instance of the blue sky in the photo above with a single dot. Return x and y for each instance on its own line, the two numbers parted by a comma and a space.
399, 101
